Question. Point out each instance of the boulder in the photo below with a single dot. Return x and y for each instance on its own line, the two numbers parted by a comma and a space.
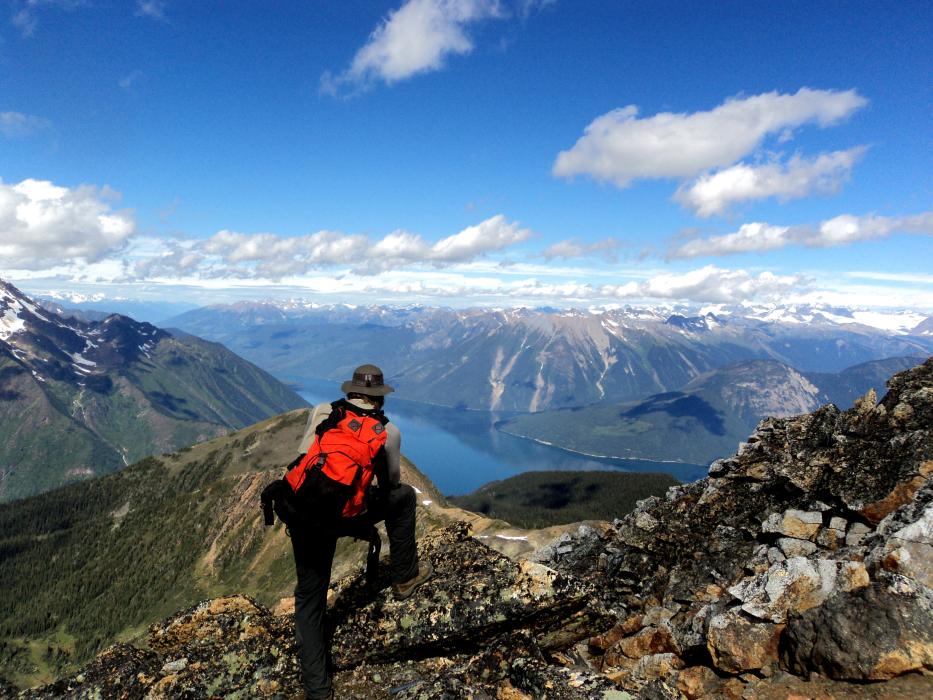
795, 585
876, 632
739, 643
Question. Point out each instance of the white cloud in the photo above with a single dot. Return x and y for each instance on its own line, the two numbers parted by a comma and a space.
528, 7
416, 38
490, 235
25, 12
708, 284
573, 248
714, 193
268, 255
42, 224
619, 147
154, 9
17, 124
838, 231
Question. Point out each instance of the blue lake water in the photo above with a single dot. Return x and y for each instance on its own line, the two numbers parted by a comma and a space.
462, 450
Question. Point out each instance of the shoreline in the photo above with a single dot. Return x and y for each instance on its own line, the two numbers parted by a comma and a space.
597, 456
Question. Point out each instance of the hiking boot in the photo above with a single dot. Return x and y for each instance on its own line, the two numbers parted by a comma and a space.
404, 590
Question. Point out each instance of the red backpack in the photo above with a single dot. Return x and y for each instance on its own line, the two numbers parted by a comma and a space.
331, 480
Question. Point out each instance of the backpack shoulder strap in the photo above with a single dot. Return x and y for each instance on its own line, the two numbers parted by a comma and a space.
338, 409
343, 406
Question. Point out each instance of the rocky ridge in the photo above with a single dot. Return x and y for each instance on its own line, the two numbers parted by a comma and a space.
801, 566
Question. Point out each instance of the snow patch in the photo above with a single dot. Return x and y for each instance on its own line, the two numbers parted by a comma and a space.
10, 323
81, 360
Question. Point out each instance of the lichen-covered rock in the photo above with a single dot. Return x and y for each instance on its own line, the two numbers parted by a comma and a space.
475, 595
903, 543
873, 633
697, 682
121, 672
798, 524
797, 584
738, 643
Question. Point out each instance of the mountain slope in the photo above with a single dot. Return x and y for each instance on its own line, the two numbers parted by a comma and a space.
79, 399
533, 360
89, 563
843, 388
707, 418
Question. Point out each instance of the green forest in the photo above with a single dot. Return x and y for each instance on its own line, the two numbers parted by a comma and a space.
541, 499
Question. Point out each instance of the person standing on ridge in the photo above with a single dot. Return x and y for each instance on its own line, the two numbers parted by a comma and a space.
393, 502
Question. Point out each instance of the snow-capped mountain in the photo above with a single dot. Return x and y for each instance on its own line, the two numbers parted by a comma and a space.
531, 360
82, 398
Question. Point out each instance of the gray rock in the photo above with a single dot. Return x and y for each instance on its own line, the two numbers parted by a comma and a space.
909, 550
175, 666
795, 523
792, 547
775, 555
856, 534
795, 585
873, 633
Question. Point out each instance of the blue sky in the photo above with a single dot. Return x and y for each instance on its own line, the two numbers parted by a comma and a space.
469, 152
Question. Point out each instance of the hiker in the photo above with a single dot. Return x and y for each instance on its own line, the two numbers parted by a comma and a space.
393, 502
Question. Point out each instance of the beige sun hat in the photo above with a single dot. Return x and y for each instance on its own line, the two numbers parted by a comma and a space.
367, 379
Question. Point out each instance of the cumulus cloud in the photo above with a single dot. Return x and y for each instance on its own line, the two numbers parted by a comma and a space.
17, 124
416, 38
573, 248
619, 146
714, 193
838, 231
270, 256
42, 224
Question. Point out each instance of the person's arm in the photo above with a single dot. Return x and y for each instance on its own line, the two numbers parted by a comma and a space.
393, 450
316, 417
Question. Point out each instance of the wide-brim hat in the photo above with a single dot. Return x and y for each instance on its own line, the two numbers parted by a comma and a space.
367, 380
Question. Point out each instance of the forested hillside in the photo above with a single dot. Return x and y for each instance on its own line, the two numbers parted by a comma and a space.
80, 399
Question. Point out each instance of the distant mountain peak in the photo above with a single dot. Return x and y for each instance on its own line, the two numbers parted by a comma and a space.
83, 398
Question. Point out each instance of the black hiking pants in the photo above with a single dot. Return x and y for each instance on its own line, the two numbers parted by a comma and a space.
314, 555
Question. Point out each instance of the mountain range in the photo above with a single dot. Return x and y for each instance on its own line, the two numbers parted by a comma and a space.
83, 398
532, 360
708, 417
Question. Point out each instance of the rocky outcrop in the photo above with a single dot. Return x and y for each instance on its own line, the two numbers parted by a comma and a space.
799, 567
484, 622
810, 550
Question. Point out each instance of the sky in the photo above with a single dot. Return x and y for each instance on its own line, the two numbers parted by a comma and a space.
469, 152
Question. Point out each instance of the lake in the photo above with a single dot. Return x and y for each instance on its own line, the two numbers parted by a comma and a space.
462, 450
